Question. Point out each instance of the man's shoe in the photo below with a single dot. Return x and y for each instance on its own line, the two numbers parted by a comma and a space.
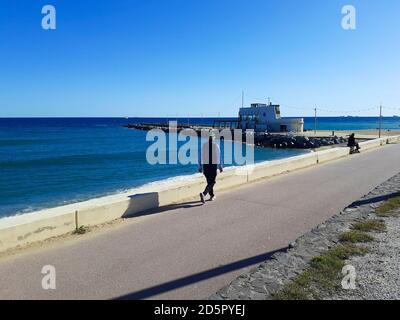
202, 198
213, 198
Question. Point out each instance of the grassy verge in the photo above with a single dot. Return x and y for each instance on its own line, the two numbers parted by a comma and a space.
387, 208
370, 226
81, 230
324, 273
355, 236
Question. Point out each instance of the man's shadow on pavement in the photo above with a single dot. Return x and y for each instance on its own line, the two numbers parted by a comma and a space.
155, 208
374, 200
184, 205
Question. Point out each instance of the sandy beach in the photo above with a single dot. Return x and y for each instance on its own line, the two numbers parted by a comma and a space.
361, 134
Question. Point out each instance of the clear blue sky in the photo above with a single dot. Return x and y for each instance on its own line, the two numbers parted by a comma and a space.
194, 57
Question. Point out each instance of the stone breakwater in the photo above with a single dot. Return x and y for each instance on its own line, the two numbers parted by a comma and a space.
279, 141
378, 271
298, 142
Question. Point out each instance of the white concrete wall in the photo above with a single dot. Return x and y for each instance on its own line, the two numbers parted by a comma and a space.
230, 179
332, 154
393, 139
37, 226
372, 144
273, 168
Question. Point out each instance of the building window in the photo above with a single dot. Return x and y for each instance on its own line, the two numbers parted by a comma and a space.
278, 112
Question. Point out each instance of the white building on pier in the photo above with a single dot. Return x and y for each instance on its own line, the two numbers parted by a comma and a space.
262, 117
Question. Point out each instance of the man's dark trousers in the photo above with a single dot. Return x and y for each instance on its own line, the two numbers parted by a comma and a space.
210, 172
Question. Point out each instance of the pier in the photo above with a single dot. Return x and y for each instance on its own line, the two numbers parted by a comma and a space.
268, 140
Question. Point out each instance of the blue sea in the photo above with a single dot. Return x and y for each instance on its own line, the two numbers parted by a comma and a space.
47, 162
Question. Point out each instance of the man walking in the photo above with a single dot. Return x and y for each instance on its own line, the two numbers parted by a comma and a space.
210, 163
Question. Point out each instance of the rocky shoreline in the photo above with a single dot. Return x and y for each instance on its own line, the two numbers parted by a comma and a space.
377, 271
298, 142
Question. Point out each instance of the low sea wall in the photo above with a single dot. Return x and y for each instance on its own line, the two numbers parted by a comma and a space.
28, 228
394, 139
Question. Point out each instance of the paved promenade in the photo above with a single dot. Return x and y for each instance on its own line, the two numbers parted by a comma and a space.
190, 251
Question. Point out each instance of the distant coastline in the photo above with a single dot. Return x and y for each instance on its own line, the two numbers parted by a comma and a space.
323, 122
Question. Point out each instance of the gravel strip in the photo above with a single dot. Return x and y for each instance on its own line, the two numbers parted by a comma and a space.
377, 272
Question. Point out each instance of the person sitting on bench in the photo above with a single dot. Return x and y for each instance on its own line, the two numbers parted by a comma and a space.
354, 146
